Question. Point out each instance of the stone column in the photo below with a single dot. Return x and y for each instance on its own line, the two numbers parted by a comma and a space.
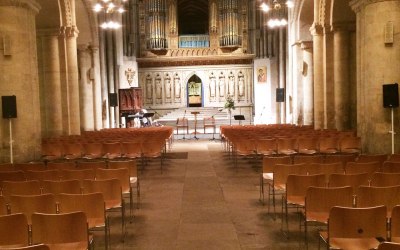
48, 49
85, 89
319, 100
329, 102
377, 63
96, 87
70, 35
341, 76
307, 82
19, 77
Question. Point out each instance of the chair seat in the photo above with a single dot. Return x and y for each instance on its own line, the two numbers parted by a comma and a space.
113, 204
69, 246
133, 180
267, 152
132, 156
95, 222
111, 156
298, 200
307, 151
353, 243
329, 151
268, 176
351, 151
318, 217
287, 151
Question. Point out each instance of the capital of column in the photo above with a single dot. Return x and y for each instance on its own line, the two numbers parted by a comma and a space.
306, 45
69, 31
28, 4
317, 29
343, 26
48, 32
358, 5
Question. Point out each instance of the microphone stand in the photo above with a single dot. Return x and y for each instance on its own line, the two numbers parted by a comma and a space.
187, 125
262, 111
219, 111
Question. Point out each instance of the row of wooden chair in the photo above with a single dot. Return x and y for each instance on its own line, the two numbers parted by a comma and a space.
70, 180
56, 231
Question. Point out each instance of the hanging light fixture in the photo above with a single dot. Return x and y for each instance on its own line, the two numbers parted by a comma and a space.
277, 12
111, 9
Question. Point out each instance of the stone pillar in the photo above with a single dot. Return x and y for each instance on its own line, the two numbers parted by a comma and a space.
329, 101
19, 77
319, 100
341, 76
70, 35
377, 63
50, 83
307, 82
86, 89
96, 88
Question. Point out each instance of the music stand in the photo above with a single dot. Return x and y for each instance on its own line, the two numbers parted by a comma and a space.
147, 116
239, 118
195, 113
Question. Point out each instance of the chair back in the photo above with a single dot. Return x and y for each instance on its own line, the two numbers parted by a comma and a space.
395, 224
352, 180
389, 246
52, 228
64, 186
270, 162
380, 179
29, 204
377, 196
21, 188
348, 222
13, 230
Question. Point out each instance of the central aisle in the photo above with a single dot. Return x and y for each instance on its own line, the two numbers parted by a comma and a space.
202, 202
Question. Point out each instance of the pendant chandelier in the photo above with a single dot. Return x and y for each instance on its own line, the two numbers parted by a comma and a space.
111, 9
277, 12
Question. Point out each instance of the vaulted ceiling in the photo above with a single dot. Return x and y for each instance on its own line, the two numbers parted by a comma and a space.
193, 16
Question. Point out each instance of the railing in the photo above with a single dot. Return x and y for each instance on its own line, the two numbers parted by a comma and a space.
194, 41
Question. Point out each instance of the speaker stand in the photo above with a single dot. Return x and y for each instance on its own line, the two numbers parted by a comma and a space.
392, 129
11, 142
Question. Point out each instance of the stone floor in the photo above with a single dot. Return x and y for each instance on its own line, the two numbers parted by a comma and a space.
204, 202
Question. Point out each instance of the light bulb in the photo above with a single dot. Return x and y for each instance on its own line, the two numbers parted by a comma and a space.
265, 7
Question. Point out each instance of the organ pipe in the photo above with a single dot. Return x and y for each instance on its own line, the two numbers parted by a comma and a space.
156, 21
230, 20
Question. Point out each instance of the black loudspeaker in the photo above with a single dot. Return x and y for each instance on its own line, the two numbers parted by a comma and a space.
390, 95
113, 100
280, 95
9, 104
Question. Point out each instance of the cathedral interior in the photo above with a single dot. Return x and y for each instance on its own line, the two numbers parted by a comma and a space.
328, 63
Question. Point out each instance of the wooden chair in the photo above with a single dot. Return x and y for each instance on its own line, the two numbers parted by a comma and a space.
395, 224
344, 159
131, 149
30, 166
268, 170
287, 146
209, 122
11, 176
91, 164
29, 204
63, 165
352, 180
381, 158
3, 206
51, 151
133, 173
112, 150
112, 193
367, 167
51, 229
32, 247
78, 174
72, 150
328, 145
352, 228
13, 231
64, 186
391, 167
21, 188
266, 147
45, 175
296, 189
297, 159
182, 123
152, 149
389, 246
7, 167
380, 179
394, 157
92, 205
307, 145
92, 150
378, 196
320, 200
122, 174
350, 145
